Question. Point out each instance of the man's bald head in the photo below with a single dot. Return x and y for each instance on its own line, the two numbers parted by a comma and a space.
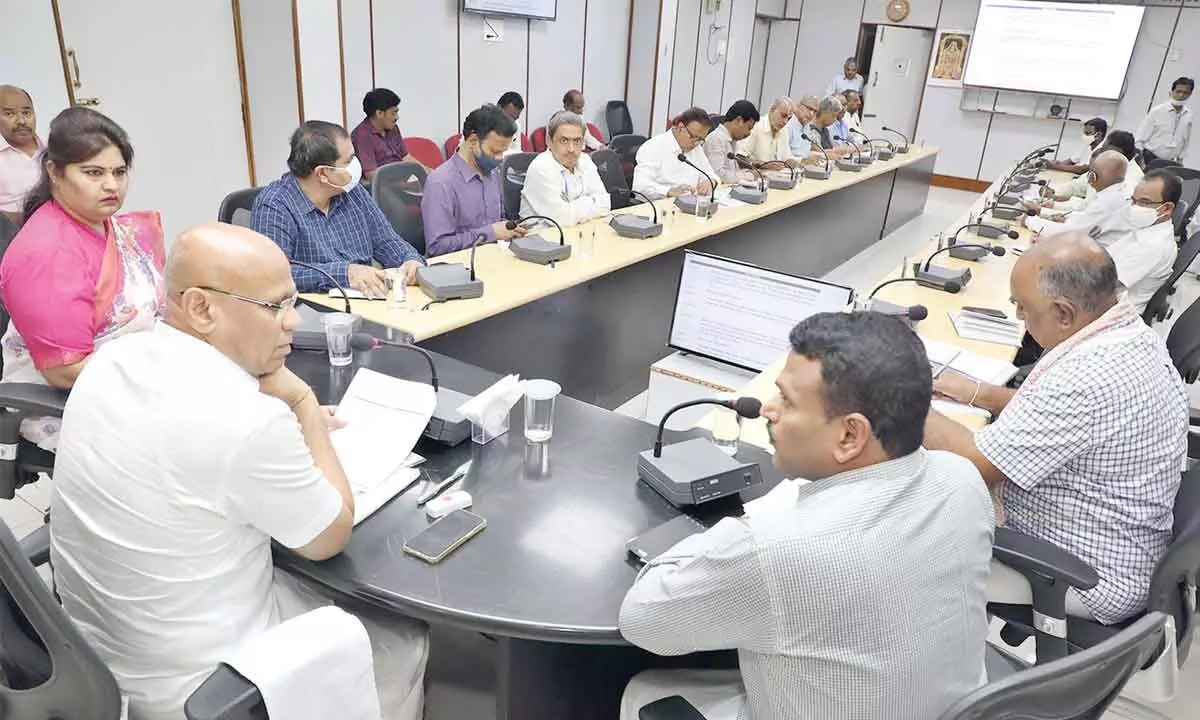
14, 90
232, 288
780, 113
1109, 168
806, 108
1062, 284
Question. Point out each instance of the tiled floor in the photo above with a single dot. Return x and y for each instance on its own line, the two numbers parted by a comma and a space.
460, 681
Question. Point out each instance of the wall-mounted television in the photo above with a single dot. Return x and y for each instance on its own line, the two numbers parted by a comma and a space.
531, 9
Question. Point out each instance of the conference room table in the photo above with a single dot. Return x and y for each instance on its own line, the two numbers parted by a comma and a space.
597, 321
546, 578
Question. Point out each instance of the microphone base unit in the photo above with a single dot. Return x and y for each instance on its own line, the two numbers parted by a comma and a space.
973, 254
1020, 186
448, 426
1009, 200
1003, 213
991, 233
781, 182
902, 149
813, 173
864, 159
687, 204
448, 281
849, 165
537, 249
750, 196
884, 154
635, 226
694, 472
884, 307
938, 277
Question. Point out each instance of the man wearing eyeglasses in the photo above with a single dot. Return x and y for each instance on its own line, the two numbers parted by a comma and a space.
562, 183
319, 214
184, 452
660, 173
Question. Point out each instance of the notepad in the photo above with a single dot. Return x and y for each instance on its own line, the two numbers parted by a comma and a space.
984, 328
384, 417
972, 365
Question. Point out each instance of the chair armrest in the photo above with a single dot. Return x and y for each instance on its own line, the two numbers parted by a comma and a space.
1029, 555
670, 708
36, 546
225, 695
33, 398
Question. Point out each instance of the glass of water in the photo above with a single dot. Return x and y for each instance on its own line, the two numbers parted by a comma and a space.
539, 409
397, 291
726, 429
702, 207
338, 328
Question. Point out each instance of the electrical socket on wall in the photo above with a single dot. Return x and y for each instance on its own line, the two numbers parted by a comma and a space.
493, 29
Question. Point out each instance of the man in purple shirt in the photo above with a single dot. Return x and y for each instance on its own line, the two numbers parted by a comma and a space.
463, 198
377, 140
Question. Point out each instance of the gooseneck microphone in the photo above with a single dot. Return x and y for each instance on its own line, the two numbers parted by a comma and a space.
712, 183
478, 239
903, 137
361, 341
628, 225
330, 278
536, 249
634, 194
995, 231
818, 174
780, 164
950, 286
745, 162
993, 249
863, 135
746, 407
512, 225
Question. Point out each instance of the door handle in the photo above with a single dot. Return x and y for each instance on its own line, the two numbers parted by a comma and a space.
87, 102
75, 67
875, 79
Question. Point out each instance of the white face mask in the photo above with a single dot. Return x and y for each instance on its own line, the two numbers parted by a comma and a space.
1177, 103
1142, 217
355, 170
1088, 138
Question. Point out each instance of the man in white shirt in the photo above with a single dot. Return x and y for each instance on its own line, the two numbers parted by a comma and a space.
852, 102
1075, 194
1094, 133
562, 182
848, 80
805, 586
20, 151
184, 452
1106, 217
1167, 129
768, 141
738, 123
512, 104
822, 128
573, 102
800, 127
1145, 259
660, 172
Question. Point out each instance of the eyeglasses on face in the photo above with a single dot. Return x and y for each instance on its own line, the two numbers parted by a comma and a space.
280, 308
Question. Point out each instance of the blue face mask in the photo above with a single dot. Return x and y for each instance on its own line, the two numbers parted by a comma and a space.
486, 163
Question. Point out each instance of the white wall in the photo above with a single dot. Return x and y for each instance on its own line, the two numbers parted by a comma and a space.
357, 70
270, 83
405, 33
320, 59
643, 47
30, 57
607, 39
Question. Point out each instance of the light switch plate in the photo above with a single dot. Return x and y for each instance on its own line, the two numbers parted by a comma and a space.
493, 29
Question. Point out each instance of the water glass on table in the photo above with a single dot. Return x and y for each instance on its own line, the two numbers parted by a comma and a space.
539, 409
703, 209
338, 329
726, 430
397, 298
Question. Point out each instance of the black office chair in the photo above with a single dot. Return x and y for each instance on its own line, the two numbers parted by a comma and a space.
397, 189
513, 171
1190, 179
1179, 220
1161, 164
608, 166
617, 118
235, 208
1183, 343
1079, 687
1159, 308
626, 147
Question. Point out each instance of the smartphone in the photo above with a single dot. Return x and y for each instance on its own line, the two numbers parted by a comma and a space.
445, 536
990, 312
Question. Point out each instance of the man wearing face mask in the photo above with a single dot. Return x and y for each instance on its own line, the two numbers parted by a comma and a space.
319, 214
1144, 260
1094, 132
1168, 127
1106, 217
463, 197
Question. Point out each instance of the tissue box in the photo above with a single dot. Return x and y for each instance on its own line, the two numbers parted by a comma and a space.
480, 435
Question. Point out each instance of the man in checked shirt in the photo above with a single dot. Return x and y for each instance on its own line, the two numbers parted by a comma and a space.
859, 595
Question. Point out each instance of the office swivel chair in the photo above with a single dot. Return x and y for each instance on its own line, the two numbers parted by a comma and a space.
424, 151
235, 208
617, 118
1179, 220
1079, 687
626, 147
513, 170
608, 166
1158, 308
397, 189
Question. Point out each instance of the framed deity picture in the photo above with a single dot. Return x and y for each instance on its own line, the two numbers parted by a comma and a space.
949, 58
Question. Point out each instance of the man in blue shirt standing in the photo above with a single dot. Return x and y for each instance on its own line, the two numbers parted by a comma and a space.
318, 213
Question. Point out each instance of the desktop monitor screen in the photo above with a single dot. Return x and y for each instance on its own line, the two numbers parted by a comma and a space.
532, 9
741, 314
1055, 48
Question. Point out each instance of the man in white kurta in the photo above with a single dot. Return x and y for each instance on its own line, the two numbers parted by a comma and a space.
659, 171
562, 183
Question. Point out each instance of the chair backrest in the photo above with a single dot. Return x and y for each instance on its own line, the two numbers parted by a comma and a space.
1179, 220
513, 170
626, 148
241, 200
1173, 585
425, 151
397, 189
608, 166
538, 139
1077, 687
595, 131
1183, 343
1161, 163
526, 145
451, 145
1156, 308
50, 671
617, 118
1190, 178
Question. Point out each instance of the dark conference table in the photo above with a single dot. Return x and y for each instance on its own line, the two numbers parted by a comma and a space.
547, 576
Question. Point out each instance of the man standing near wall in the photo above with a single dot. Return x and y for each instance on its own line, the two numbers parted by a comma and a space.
1168, 127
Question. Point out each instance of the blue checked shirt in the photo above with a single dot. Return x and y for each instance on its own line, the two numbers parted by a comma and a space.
354, 232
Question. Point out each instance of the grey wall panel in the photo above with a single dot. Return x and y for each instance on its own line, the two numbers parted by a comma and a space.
1183, 59
555, 61
960, 135
683, 60
422, 67
714, 33
270, 84
1011, 137
741, 47
772, 8
643, 43
758, 59
828, 35
781, 46
489, 69
1144, 66
604, 56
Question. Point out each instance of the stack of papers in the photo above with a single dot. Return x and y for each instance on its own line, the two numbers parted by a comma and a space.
985, 328
974, 366
384, 417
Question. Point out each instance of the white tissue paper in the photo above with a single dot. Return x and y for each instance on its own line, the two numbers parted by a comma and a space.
490, 408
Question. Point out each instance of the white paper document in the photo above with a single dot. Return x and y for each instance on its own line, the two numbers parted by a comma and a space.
974, 366
973, 326
384, 417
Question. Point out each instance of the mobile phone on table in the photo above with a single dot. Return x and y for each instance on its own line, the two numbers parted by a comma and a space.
445, 536
990, 312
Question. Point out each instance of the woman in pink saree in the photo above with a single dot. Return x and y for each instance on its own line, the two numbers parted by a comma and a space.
78, 273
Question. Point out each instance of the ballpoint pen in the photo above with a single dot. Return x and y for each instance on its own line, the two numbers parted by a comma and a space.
436, 490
